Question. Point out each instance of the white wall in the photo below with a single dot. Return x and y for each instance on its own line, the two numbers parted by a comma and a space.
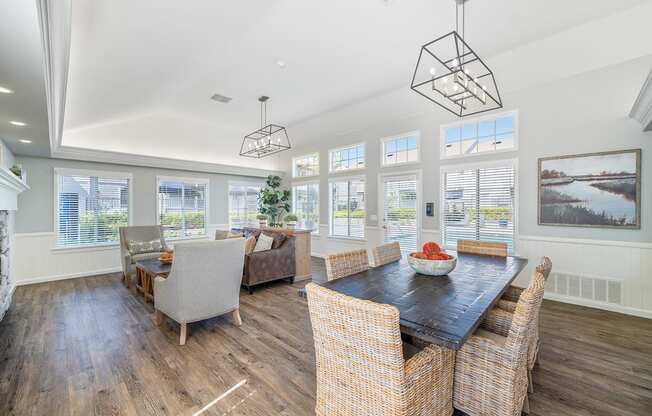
581, 114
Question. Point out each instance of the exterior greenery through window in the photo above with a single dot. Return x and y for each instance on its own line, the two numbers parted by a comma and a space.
305, 205
243, 204
400, 149
347, 158
91, 208
182, 207
347, 208
305, 165
482, 135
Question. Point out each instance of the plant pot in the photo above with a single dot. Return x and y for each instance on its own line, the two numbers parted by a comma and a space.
263, 223
291, 225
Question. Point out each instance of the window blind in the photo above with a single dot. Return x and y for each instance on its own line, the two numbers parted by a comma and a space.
479, 205
90, 209
182, 208
400, 212
305, 203
347, 208
243, 205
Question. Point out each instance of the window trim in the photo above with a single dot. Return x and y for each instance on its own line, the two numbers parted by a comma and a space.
384, 140
330, 159
57, 172
241, 182
315, 232
459, 123
513, 162
294, 159
193, 181
330, 207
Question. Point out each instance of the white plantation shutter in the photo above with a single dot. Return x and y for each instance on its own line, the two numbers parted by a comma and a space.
400, 208
479, 205
90, 209
305, 204
243, 204
347, 208
182, 208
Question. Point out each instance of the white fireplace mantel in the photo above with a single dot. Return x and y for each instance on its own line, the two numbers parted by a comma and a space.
10, 187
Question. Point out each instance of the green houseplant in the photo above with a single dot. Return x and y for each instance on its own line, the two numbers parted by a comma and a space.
262, 220
291, 221
273, 201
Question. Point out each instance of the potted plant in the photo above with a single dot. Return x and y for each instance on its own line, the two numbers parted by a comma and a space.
262, 220
291, 221
273, 201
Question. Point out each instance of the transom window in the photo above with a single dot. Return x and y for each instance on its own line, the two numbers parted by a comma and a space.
182, 207
243, 204
497, 133
305, 205
347, 158
347, 208
400, 149
307, 165
91, 207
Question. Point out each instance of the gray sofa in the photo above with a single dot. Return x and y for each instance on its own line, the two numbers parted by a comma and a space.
138, 233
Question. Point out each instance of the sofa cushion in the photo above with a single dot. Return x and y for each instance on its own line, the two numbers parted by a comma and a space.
264, 243
140, 247
278, 240
144, 256
250, 245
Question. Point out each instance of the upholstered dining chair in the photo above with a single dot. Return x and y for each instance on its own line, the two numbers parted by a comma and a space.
386, 253
346, 263
485, 248
499, 319
361, 369
204, 282
491, 369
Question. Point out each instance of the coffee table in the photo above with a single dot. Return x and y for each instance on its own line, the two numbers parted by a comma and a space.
146, 272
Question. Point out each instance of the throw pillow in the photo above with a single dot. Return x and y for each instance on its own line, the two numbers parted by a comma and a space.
140, 247
250, 245
278, 240
264, 243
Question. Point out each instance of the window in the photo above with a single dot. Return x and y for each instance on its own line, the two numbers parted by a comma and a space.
347, 158
91, 207
305, 203
400, 149
347, 208
243, 204
305, 165
497, 133
182, 207
479, 205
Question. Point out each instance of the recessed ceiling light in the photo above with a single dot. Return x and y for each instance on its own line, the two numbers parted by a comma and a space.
18, 123
221, 98
281, 63
6, 90
26, 141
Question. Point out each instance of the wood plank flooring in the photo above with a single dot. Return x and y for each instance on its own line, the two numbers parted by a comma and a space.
89, 347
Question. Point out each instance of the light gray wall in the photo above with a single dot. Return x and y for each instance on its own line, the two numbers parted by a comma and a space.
582, 114
7, 156
36, 206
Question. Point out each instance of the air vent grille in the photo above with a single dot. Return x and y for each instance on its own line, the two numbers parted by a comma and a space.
221, 98
584, 287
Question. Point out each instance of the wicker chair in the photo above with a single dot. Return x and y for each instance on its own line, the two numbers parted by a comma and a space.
491, 370
361, 368
386, 253
346, 263
485, 248
499, 319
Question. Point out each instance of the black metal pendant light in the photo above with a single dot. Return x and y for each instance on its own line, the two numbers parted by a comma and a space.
450, 74
269, 139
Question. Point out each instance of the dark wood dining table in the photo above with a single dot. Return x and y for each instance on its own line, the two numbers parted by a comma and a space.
441, 310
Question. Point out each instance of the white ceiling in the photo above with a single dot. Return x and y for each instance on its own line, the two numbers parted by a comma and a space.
21, 71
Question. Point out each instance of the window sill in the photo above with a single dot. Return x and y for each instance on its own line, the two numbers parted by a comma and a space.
392, 165
353, 239
85, 248
299, 178
177, 239
336, 172
475, 155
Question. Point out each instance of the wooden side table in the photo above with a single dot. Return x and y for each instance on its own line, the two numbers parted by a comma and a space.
146, 272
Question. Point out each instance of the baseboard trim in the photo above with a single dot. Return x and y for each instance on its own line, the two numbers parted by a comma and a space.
54, 278
318, 255
626, 310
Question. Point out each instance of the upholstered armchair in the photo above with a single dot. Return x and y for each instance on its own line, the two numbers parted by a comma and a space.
141, 236
204, 282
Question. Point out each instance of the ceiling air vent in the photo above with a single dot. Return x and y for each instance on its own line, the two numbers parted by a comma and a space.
221, 98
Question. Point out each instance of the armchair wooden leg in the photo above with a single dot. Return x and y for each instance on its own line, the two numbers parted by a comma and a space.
184, 332
237, 321
291, 279
158, 317
250, 289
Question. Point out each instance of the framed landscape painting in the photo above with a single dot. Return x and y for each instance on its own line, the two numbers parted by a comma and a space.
591, 190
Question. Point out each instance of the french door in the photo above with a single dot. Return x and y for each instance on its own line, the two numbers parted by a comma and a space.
400, 204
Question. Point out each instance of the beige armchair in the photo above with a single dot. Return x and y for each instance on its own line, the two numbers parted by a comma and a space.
204, 282
139, 234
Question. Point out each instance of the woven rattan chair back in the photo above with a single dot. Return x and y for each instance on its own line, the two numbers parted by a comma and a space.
386, 253
485, 248
524, 318
359, 357
346, 263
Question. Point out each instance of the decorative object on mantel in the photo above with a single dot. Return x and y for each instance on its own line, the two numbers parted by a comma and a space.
272, 201
262, 220
269, 139
450, 74
591, 190
642, 108
291, 221
17, 170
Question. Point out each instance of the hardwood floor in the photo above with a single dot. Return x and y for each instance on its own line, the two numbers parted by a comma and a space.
88, 346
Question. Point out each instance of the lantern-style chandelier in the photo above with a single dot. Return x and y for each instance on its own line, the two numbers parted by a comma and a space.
450, 74
269, 139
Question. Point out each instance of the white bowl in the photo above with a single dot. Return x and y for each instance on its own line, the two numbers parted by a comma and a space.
432, 267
